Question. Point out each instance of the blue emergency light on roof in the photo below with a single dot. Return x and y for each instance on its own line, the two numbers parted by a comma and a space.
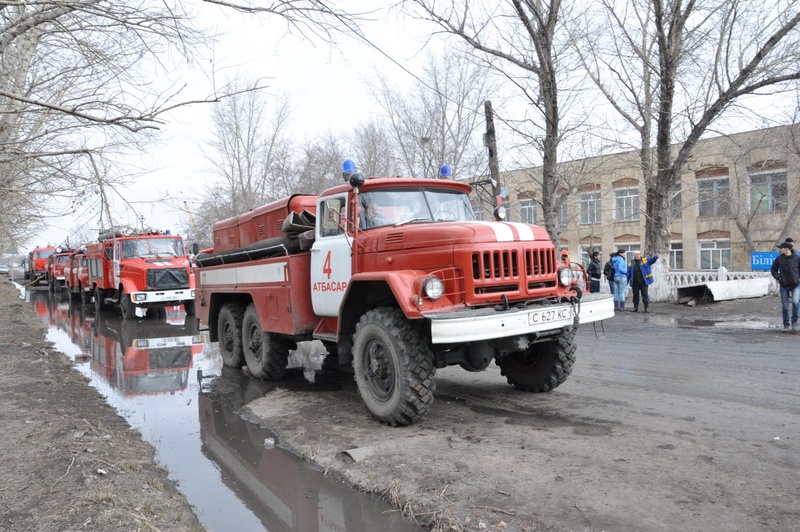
166, 232
446, 171
348, 169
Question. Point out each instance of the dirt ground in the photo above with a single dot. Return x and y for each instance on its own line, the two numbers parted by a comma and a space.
71, 463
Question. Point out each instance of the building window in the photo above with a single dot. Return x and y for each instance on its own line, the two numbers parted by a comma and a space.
563, 214
715, 254
586, 254
712, 195
629, 249
590, 208
769, 193
676, 202
626, 203
477, 209
527, 211
676, 255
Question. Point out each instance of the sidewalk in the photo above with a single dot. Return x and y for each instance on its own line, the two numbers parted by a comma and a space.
753, 313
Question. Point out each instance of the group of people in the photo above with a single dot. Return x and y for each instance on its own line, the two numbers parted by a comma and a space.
786, 270
621, 273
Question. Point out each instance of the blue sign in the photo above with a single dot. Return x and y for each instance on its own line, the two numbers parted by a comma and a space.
762, 260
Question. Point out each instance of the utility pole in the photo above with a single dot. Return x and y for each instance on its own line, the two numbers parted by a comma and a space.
490, 141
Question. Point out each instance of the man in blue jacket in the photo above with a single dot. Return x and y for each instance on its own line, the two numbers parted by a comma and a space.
640, 276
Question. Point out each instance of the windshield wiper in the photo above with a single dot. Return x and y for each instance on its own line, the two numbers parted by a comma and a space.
412, 220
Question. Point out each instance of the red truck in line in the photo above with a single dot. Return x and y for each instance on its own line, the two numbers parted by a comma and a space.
76, 277
36, 267
133, 269
396, 278
56, 264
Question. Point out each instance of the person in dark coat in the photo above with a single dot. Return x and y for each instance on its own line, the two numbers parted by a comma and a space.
608, 271
786, 270
595, 272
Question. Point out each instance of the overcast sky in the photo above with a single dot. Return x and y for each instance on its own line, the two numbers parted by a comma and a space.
326, 84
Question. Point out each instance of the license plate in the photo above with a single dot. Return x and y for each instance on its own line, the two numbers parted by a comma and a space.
547, 315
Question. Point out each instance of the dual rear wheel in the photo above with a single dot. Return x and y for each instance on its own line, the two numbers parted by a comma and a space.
243, 341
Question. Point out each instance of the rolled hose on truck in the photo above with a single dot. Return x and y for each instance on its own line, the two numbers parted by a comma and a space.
299, 228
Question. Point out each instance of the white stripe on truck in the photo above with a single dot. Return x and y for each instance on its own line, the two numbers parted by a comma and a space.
262, 273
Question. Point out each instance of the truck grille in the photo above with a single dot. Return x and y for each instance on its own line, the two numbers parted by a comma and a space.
509, 270
167, 279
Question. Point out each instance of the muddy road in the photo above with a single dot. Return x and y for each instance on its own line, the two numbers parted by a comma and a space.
688, 421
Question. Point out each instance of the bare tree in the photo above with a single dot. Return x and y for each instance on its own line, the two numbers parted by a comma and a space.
526, 42
249, 148
438, 121
374, 149
99, 77
671, 68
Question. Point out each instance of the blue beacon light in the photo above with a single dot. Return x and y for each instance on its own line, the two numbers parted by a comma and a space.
446, 171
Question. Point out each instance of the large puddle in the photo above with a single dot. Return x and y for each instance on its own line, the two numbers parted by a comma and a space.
164, 377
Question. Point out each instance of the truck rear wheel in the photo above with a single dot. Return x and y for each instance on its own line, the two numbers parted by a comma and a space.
85, 295
229, 331
266, 355
99, 300
393, 367
542, 366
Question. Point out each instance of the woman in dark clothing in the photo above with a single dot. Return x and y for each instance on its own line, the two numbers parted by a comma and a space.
595, 272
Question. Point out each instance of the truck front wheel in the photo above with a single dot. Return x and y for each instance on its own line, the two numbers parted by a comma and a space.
393, 367
266, 355
127, 307
229, 331
542, 366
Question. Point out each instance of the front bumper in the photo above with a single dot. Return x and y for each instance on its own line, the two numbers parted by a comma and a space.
473, 325
162, 296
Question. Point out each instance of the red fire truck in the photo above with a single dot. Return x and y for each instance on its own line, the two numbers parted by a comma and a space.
397, 278
37, 264
55, 268
144, 269
76, 276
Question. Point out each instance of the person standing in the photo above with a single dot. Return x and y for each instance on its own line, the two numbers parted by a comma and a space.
640, 276
594, 272
608, 271
786, 270
620, 279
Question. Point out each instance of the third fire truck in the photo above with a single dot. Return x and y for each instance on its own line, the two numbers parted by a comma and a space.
397, 278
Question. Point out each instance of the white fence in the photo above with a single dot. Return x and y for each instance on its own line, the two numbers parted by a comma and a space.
688, 279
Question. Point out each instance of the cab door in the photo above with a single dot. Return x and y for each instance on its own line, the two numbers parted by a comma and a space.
116, 262
331, 256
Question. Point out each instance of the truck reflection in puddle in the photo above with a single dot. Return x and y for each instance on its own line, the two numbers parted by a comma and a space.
287, 493
146, 356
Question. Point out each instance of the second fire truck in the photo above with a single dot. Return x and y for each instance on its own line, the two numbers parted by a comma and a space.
133, 269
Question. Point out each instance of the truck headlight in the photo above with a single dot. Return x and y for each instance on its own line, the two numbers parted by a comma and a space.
139, 297
433, 287
565, 276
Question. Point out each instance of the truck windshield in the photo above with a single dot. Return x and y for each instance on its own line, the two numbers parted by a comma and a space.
44, 253
152, 247
400, 206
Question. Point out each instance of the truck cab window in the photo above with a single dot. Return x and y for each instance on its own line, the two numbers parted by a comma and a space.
384, 207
